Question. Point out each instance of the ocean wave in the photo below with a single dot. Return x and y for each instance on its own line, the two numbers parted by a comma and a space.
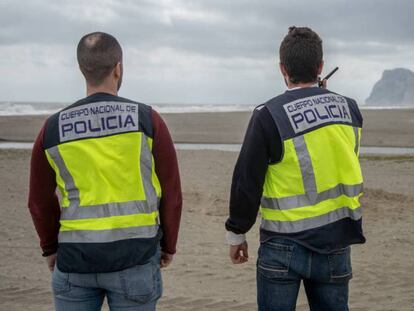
15, 109
385, 107
177, 108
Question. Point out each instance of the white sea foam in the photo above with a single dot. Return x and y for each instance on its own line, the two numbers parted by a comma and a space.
385, 107
180, 108
14, 108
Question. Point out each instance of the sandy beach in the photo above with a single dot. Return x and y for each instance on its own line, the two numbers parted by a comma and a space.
201, 276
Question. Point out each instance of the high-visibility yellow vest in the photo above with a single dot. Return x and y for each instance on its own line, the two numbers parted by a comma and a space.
102, 155
318, 180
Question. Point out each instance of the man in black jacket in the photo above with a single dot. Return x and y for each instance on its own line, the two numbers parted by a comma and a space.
299, 165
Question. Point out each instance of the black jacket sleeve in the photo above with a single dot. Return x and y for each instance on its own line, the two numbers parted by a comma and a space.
262, 145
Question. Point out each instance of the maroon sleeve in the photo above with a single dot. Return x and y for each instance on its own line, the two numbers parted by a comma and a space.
43, 202
166, 167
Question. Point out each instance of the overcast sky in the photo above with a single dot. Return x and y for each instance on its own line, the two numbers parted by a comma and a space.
211, 51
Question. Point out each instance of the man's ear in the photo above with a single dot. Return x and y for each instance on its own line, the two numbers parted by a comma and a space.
284, 73
320, 68
118, 71
282, 69
80, 69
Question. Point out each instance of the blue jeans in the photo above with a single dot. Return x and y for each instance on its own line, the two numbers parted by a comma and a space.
135, 288
281, 266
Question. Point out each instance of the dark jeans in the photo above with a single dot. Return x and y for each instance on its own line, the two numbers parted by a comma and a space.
281, 266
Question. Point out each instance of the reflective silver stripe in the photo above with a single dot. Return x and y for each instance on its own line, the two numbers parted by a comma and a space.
108, 210
310, 198
146, 172
303, 200
103, 236
70, 187
308, 175
311, 223
356, 132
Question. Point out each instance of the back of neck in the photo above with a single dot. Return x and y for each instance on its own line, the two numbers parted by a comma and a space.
301, 85
90, 90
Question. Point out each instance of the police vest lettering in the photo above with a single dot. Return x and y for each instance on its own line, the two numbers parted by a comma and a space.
309, 112
97, 119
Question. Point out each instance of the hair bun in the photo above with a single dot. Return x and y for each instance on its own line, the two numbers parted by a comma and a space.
300, 32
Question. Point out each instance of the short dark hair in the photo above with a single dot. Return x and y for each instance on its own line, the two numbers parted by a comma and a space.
98, 53
301, 54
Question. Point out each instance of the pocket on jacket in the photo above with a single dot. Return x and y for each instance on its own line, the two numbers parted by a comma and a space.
340, 265
140, 283
274, 259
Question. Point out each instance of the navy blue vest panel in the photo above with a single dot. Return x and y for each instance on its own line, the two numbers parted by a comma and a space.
303, 110
105, 257
325, 239
83, 116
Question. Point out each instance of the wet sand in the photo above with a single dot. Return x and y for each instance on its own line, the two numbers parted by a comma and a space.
390, 128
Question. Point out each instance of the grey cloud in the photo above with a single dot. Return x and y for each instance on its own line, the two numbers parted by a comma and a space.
246, 28
229, 47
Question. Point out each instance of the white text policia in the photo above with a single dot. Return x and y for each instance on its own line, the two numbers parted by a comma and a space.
98, 118
318, 109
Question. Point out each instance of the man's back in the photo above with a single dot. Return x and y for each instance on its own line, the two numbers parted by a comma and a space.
285, 162
115, 165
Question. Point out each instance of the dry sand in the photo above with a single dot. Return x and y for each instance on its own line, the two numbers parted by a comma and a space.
201, 277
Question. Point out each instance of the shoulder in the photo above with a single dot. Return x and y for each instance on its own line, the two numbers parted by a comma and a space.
127, 100
279, 99
262, 109
262, 119
142, 108
260, 114
156, 118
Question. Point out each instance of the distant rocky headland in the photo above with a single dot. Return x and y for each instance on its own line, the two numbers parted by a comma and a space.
395, 88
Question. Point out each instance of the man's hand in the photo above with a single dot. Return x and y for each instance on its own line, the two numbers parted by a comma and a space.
51, 260
166, 259
238, 253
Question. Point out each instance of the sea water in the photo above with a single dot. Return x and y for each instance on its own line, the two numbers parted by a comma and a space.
42, 108
37, 108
